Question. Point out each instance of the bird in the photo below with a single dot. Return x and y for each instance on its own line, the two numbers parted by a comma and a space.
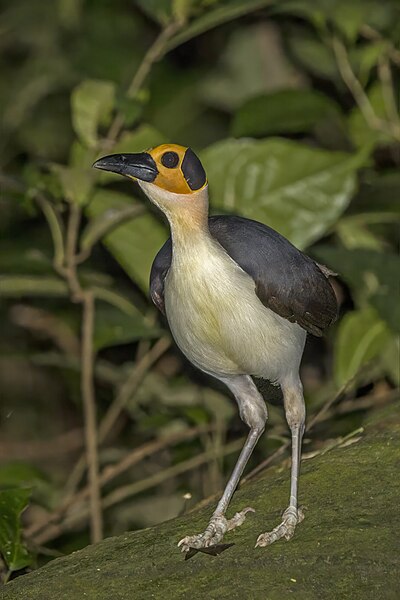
239, 299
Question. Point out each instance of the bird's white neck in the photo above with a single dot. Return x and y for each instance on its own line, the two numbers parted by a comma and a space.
187, 214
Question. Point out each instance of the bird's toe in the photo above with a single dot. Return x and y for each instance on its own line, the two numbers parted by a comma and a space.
214, 532
291, 517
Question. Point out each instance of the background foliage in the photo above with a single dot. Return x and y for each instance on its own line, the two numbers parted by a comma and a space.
294, 109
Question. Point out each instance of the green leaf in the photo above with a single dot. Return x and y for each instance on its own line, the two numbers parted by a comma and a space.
134, 244
76, 183
12, 503
306, 46
297, 190
131, 110
285, 111
378, 193
113, 327
20, 474
159, 10
142, 138
372, 276
213, 17
306, 9
70, 13
237, 76
181, 9
362, 336
91, 103
176, 109
101, 225
348, 17
312, 53
365, 57
354, 234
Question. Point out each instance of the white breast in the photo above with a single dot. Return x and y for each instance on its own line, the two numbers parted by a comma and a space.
219, 323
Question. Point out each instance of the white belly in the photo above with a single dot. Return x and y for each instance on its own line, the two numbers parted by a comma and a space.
219, 323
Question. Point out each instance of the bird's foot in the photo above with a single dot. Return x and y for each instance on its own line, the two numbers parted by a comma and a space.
214, 532
290, 518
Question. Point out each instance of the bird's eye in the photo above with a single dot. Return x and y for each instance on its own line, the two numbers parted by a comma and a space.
170, 159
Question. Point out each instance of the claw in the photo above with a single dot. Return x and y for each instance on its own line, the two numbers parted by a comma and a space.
290, 518
214, 532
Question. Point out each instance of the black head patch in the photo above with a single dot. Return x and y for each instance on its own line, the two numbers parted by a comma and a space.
193, 170
170, 160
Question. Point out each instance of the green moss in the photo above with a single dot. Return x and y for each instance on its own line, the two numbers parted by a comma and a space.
347, 547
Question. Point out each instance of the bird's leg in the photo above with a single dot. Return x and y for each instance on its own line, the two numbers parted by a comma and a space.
253, 411
295, 415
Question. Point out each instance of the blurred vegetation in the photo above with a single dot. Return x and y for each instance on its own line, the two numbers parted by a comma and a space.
293, 107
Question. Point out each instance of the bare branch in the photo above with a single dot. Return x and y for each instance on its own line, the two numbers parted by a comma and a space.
355, 87
89, 405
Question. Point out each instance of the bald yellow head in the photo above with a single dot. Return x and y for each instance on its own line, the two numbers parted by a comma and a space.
170, 167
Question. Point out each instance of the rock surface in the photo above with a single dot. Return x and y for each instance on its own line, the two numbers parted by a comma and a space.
347, 547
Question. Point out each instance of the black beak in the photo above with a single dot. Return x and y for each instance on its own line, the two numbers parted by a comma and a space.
141, 165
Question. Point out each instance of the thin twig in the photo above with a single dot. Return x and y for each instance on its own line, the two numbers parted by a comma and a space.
346, 440
89, 405
70, 272
357, 90
56, 229
86, 298
355, 87
342, 391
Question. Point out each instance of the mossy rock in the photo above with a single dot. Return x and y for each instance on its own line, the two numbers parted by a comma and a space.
347, 546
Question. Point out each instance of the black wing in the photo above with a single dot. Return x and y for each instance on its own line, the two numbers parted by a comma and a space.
286, 280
